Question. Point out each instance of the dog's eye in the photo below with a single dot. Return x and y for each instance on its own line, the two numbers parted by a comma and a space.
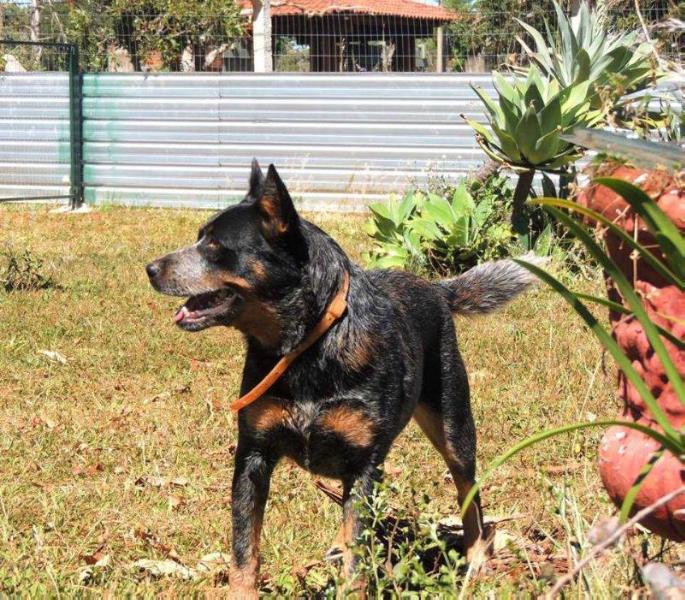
213, 245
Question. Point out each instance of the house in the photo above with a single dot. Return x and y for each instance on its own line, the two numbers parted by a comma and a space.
348, 35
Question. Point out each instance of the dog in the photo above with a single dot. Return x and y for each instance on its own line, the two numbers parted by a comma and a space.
339, 404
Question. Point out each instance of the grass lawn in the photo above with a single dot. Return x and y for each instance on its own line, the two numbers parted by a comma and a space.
118, 448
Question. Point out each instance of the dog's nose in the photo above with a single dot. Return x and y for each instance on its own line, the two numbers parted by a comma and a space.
153, 269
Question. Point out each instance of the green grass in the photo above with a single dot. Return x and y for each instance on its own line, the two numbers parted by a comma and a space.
85, 445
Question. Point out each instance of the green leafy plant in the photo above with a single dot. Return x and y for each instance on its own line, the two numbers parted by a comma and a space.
525, 129
671, 267
405, 553
582, 49
448, 232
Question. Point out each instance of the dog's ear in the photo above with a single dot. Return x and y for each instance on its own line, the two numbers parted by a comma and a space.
276, 208
256, 180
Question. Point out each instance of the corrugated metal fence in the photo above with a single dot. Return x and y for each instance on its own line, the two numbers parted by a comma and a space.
34, 135
339, 141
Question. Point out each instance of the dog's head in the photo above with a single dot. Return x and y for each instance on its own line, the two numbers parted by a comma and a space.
245, 257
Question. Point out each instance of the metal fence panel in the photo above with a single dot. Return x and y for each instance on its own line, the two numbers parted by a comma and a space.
340, 141
34, 135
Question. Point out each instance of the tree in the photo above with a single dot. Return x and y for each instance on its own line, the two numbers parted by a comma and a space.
159, 30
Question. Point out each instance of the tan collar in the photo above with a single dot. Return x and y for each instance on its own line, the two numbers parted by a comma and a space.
334, 311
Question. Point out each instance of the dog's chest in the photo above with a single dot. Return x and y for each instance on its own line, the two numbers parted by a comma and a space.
327, 440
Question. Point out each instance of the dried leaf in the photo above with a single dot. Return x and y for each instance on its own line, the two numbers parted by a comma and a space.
213, 562
54, 356
97, 558
88, 471
302, 572
393, 470
39, 421
164, 568
175, 502
154, 542
150, 480
332, 493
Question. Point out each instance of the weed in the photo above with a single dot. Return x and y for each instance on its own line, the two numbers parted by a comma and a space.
22, 271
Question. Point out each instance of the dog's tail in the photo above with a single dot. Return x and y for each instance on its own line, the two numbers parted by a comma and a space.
487, 287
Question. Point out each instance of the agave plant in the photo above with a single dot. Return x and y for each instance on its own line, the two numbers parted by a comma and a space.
526, 125
581, 49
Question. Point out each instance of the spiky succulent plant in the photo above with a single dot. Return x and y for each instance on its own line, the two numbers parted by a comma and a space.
528, 119
581, 48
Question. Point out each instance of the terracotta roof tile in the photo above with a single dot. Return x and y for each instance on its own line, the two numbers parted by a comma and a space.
396, 8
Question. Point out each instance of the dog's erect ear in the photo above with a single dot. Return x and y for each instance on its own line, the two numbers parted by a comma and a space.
256, 179
277, 210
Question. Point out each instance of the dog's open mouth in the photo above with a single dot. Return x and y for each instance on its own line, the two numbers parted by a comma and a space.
205, 308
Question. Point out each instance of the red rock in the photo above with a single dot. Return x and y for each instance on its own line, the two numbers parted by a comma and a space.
624, 451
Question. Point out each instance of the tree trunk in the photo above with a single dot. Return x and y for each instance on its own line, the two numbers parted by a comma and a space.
35, 28
519, 216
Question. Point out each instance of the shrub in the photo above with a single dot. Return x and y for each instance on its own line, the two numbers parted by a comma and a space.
447, 232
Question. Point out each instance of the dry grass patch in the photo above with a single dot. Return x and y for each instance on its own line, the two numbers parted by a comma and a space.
116, 439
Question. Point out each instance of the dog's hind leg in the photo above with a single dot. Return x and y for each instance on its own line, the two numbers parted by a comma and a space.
444, 415
462, 469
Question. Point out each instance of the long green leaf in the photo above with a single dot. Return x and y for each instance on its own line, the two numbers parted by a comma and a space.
546, 147
670, 240
615, 306
550, 115
490, 104
507, 143
528, 133
608, 342
634, 490
504, 88
648, 257
668, 443
482, 130
540, 44
630, 296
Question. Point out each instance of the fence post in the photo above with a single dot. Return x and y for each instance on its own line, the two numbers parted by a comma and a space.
262, 51
75, 127
440, 58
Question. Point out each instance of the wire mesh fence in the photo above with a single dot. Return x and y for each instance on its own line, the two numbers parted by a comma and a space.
306, 35
40, 122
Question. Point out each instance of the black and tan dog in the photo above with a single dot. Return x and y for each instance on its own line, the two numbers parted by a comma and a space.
337, 409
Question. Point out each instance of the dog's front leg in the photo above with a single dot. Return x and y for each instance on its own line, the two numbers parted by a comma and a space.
250, 491
357, 492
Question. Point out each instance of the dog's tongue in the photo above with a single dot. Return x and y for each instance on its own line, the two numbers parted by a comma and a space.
181, 314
